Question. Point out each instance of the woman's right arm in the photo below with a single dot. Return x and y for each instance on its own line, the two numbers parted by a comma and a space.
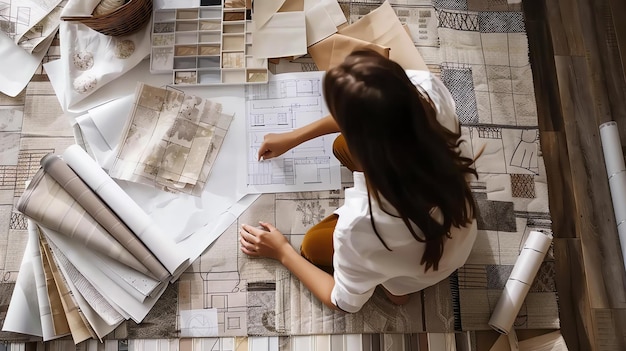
277, 144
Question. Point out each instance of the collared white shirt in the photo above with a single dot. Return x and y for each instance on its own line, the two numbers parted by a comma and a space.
360, 260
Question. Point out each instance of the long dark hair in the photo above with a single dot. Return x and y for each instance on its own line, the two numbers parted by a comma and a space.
408, 158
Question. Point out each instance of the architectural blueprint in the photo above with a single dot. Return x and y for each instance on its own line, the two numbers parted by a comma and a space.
287, 102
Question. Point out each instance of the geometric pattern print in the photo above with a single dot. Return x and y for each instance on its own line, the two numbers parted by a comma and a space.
459, 81
501, 22
458, 20
522, 185
18, 221
450, 4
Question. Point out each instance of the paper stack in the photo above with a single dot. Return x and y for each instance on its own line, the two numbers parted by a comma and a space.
171, 140
94, 258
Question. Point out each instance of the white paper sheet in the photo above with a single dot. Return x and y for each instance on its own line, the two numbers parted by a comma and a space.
47, 326
322, 19
90, 60
198, 323
289, 101
283, 35
23, 314
264, 10
121, 86
13, 80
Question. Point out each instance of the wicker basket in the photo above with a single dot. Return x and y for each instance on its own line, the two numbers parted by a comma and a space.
126, 19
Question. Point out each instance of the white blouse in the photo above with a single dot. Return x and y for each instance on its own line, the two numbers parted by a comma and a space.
360, 260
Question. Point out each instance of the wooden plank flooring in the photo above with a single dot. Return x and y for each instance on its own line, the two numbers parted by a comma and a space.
578, 56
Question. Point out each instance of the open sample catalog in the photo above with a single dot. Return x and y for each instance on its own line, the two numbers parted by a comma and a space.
95, 257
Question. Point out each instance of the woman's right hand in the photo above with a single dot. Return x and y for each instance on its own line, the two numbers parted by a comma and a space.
276, 144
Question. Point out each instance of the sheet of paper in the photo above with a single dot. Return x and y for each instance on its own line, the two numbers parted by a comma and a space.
322, 19
47, 326
383, 27
171, 140
79, 8
283, 35
23, 15
264, 10
121, 86
90, 60
319, 24
333, 50
287, 102
23, 315
198, 323
15, 80
35, 38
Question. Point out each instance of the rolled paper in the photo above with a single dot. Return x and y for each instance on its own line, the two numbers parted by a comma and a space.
125, 208
616, 172
612, 148
519, 282
100, 211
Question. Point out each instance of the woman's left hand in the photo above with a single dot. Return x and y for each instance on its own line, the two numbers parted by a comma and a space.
268, 242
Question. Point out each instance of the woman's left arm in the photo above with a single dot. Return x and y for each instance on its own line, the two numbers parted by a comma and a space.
271, 243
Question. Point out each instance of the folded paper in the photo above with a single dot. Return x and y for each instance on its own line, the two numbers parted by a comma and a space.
382, 27
331, 51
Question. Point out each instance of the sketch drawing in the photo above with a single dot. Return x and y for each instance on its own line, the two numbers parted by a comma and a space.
286, 103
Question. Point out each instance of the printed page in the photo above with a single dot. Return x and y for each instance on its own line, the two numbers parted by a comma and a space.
23, 15
287, 102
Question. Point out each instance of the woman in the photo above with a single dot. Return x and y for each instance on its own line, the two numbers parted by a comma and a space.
409, 221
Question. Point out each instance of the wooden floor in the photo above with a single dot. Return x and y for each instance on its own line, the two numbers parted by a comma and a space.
578, 57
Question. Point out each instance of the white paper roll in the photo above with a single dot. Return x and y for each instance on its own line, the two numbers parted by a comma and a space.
516, 288
612, 148
616, 172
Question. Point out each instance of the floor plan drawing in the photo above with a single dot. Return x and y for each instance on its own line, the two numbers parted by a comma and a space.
288, 102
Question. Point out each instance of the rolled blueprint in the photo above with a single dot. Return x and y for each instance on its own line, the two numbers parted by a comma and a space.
616, 171
520, 280
101, 212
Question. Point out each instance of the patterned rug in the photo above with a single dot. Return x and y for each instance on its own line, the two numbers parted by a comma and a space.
479, 49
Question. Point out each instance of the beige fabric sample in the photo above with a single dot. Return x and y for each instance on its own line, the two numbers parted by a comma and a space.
101, 212
59, 320
331, 51
79, 329
383, 27
47, 203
